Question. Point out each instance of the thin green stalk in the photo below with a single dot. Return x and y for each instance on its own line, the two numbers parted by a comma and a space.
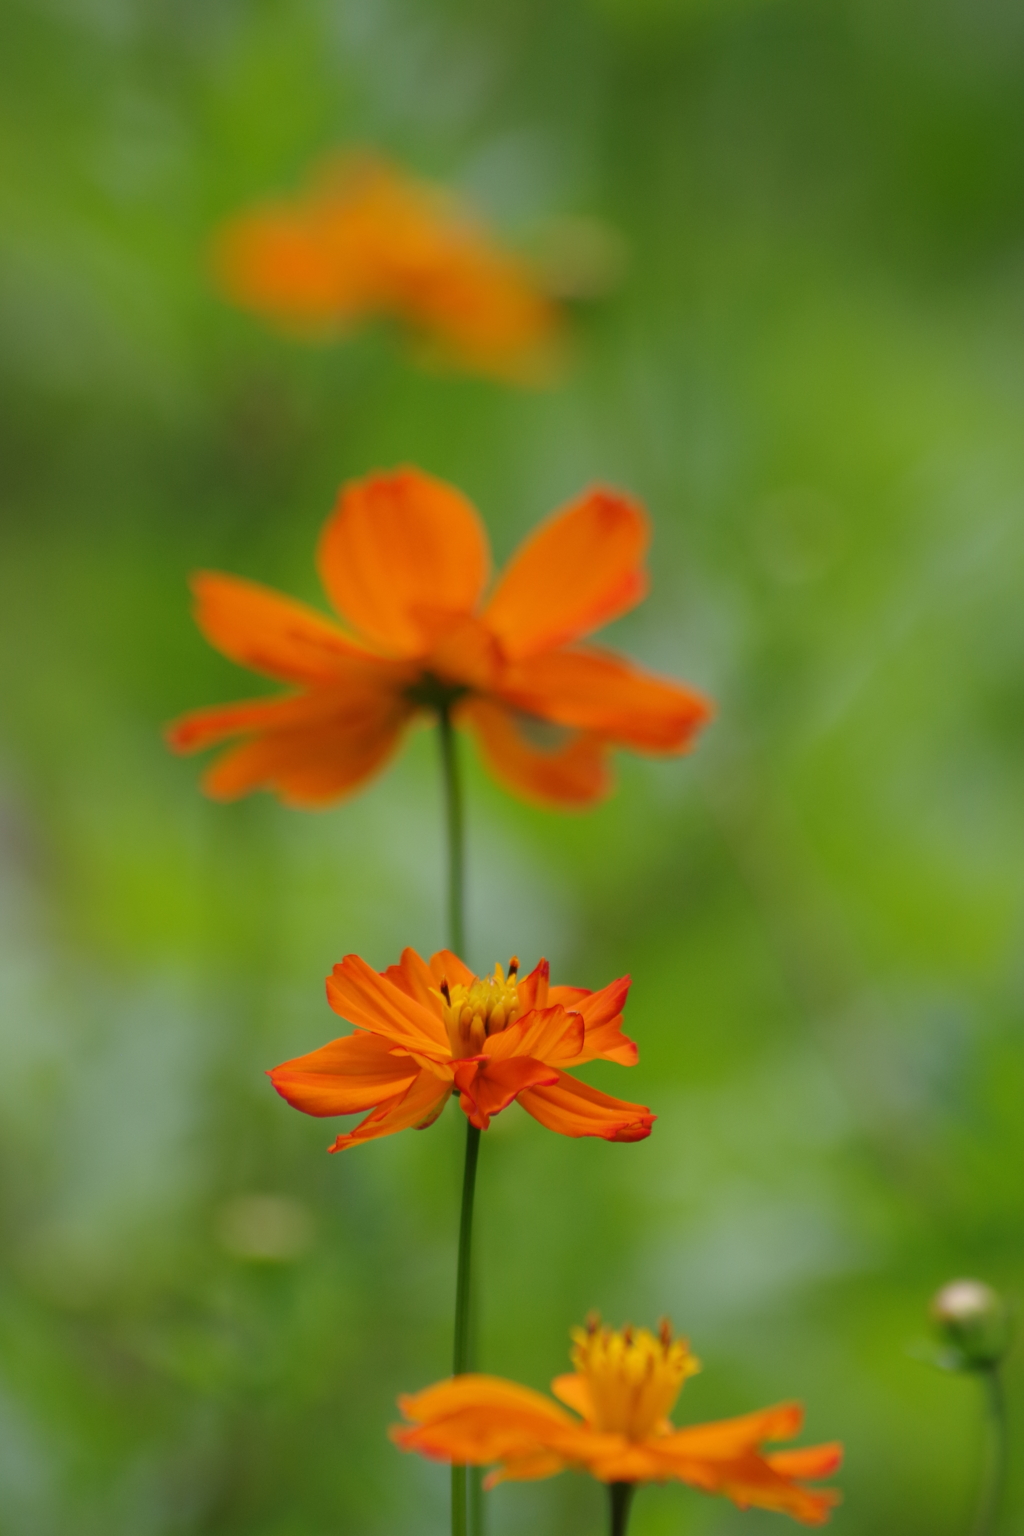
456, 836
466, 1513
620, 1498
994, 1475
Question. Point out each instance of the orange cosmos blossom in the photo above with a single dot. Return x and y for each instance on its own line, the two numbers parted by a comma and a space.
366, 240
425, 1031
623, 1388
405, 558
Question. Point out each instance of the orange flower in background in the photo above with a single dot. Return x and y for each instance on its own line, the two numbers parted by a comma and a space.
367, 240
623, 1388
426, 1031
404, 557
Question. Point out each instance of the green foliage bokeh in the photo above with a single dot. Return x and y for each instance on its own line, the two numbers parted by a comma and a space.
812, 373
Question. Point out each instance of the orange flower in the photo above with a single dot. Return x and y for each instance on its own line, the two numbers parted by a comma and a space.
366, 240
404, 557
424, 1031
624, 1386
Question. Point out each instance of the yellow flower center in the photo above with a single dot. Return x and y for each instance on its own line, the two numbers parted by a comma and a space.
634, 1377
484, 1008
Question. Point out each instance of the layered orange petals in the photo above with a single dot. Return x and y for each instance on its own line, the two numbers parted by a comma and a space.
575, 1109
579, 570
596, 691
482, 1420
402, 1063
404, 557
367, 240
541, 762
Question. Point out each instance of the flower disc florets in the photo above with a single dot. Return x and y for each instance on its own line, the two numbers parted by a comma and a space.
486, 1007
634, 1377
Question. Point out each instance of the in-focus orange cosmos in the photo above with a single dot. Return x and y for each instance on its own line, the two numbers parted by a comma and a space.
623, 1388
366, 240
424, 1031
405, 559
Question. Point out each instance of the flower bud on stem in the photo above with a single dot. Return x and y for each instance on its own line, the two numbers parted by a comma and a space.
973, 1323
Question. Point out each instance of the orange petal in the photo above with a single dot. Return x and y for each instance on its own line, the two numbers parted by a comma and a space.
413, 976
808, 1461
279, 261
543, 764
345, 1077
270, 633
573, 1390
576, 1109
401, 556
486, 1087
534, 988
306, 765
728, 1438
581, 568
358, 993
419, 1106
446, 966
475, 1419
595, 690
601, 1013
550, 1034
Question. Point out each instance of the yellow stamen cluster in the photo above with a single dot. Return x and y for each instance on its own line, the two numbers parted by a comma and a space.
634, 1377
484, 1008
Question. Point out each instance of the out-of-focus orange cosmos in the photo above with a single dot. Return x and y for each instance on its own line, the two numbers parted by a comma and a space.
404, 558
366, 240
424, 1031
623, 1388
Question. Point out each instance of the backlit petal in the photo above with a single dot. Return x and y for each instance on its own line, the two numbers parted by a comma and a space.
413, 976
306, 765
550, 1034
488, 1087
569, 771
576, 1109
808, 1461
261, 629
602, 1020
580, 569
573, 1390
345, 1077
420, 1105
358, 993
402, 555
595, 690
446, 966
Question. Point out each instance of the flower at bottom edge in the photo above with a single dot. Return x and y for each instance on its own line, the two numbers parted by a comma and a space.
624, 1385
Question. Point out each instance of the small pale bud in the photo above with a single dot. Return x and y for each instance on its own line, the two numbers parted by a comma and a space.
974, 1322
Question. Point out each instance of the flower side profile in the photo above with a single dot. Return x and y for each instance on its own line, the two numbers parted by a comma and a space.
366, 240
426, 1031
623, 1388
404, 558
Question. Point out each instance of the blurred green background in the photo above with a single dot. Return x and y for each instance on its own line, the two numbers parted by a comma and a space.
812, 372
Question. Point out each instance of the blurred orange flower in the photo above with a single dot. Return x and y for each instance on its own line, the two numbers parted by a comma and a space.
366, 240
405, 558
424, 1031
624, 1386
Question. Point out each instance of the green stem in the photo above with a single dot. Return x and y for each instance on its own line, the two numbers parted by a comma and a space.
465, 1480
994, 1476
456, 837
620, 1496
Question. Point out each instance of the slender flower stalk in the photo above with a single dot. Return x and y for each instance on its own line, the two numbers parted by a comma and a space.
620, 1499
993, 1481
463, 1478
